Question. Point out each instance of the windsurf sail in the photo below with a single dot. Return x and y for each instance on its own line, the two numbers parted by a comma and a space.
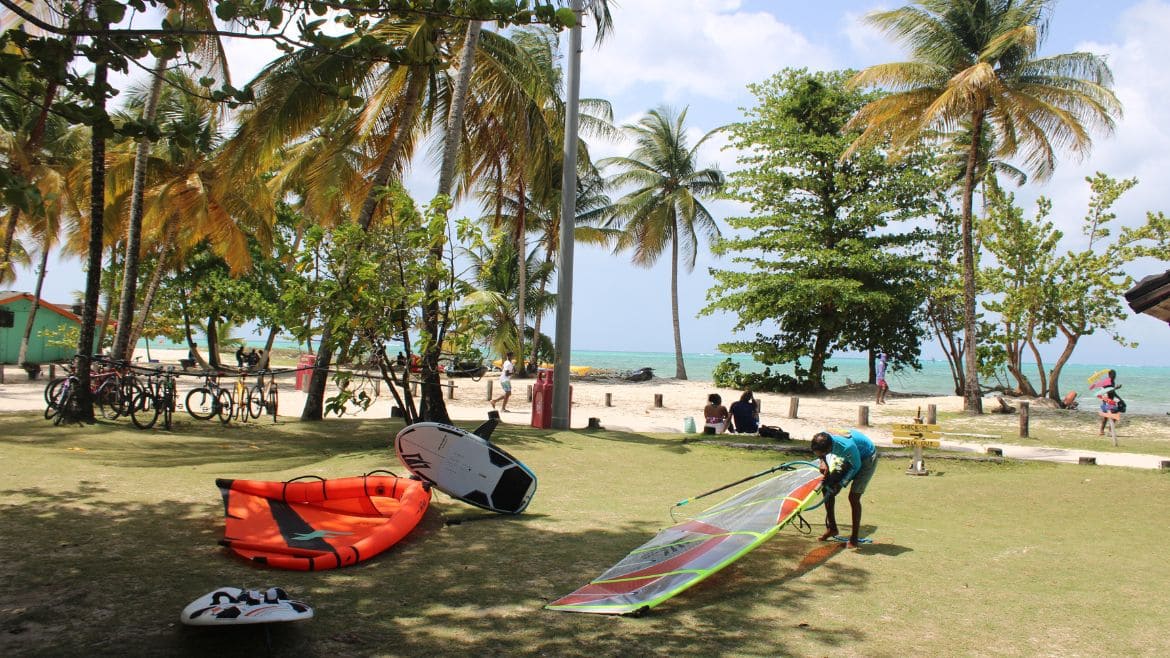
1100, 379
683, 555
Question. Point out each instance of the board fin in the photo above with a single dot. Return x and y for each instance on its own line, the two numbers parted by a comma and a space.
485, 431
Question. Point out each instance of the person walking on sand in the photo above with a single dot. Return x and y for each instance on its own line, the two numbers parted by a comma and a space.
506, 371
857, 462
882, 386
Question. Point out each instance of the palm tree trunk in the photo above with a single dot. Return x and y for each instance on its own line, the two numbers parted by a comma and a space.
315, 393
458, 108
972, 397
122, 346
680, 369
148, 298
36, 303
93, 275
521, 277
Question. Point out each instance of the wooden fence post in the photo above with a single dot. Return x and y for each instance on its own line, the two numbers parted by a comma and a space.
609, 399
793, 406
528, 392
863, 415
1024, 419
931, 414
489, 390
657, 400
450, 389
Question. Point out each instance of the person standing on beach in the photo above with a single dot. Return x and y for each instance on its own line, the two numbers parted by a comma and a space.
506, 371
858, 461
882, 386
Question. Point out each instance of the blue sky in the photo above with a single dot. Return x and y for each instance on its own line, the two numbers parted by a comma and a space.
702, 54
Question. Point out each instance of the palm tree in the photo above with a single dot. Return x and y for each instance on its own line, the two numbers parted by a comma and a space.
664, 208
975, 65
210, 50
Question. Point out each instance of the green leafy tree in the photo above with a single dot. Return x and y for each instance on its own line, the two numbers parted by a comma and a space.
817, 256
976, 63
1018, 282
663, 210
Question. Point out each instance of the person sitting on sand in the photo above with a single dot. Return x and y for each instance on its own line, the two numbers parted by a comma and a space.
858, 462
744, 417
715, 414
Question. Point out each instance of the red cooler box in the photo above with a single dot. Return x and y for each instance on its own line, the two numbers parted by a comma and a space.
542, 397
305, 370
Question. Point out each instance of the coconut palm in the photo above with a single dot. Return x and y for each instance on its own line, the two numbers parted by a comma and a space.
663, 210
209, 50
975, 64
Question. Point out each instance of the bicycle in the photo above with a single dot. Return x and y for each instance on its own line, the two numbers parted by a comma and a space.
240, 401
63, 405
264, 398
157, 398
208, 400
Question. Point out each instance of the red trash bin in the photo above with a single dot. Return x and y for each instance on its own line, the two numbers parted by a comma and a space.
542, 399
305, 370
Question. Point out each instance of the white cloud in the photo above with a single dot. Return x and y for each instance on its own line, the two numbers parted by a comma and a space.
683, 49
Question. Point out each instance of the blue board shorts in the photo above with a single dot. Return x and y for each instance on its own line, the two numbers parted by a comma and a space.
864, 475
507, 386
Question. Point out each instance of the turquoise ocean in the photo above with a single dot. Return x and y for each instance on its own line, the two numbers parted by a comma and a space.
1146, 389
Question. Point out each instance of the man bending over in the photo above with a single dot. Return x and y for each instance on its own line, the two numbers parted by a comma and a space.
856, 463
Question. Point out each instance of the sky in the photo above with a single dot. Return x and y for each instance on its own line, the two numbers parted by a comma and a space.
702, 54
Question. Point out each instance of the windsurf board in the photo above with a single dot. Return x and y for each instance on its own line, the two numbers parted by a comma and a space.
228, 606
466, 466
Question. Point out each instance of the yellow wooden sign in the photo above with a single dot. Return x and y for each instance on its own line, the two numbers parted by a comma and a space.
921, 443
916, 427
916, 435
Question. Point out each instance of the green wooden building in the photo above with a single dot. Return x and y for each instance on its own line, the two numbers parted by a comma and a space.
14, 310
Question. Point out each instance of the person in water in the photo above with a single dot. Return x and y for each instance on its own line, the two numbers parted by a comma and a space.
715, 415
744, 417
858, 461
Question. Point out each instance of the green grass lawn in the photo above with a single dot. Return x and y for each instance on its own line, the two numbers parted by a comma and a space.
1057, 428
110, 532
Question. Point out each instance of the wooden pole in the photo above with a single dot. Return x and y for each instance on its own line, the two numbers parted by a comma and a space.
1024, 408
657, 400
863, 416
931, 414
793, 406
489, 390
528, 392
450, 389
609, 399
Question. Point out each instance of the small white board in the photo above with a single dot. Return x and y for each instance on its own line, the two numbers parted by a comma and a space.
466, 466
230, 606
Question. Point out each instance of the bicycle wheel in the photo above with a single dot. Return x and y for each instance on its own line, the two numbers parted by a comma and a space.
168, 404
67, 410
273, 401
256, 402
53, 390
53, 405
108, 399
144, 411
130, 390
201, 403
225, 407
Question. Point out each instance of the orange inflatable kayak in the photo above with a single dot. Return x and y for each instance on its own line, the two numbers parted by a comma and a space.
315, 524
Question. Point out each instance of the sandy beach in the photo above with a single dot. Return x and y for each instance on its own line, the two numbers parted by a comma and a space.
633, 409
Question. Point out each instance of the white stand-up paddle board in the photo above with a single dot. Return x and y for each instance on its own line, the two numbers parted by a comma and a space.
466, 466
229, 606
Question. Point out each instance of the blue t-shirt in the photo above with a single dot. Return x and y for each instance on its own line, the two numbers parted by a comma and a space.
854, 448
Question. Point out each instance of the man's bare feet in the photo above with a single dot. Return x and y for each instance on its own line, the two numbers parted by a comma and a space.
829, 534
493, 403
853, 543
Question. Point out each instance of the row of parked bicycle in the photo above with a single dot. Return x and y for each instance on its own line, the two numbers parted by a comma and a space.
145, 395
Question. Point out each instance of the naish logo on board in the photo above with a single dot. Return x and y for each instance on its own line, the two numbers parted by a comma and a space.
415, 461
319, 534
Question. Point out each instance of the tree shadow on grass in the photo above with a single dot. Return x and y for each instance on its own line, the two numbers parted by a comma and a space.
83, 573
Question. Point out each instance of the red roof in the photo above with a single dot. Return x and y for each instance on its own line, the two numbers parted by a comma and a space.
9, 297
